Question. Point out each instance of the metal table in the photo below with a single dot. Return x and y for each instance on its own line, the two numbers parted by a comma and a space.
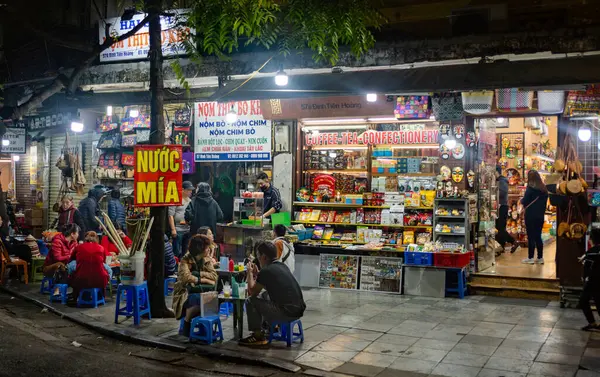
238, 314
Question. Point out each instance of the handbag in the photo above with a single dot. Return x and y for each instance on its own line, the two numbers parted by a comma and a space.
182, 118
412, 107
447, 107
551, 101
477, 102
109, 140
513, 99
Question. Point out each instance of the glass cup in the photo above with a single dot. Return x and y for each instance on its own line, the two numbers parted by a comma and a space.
227, 291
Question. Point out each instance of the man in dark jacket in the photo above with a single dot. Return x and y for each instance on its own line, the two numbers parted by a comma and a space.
203, 210
89, 209
503, 237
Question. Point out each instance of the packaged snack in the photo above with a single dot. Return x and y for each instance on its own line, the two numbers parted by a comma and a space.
409, 237
423, 238
315, 215
324, 216
360, 216
318, 232
327, 233
331, 216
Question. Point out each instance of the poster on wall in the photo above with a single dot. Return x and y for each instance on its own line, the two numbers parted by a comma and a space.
246, 139
189, 166
157, 175
16, 137
338, 271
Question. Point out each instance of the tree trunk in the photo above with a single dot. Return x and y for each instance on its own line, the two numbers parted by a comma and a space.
156, 276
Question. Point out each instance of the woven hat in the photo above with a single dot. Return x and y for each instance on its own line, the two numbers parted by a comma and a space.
32, 243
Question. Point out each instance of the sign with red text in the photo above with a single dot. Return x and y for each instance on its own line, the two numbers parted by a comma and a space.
370, 137
137, 46
248, 138
158, 175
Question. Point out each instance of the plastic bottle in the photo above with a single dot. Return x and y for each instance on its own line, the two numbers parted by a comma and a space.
231, 264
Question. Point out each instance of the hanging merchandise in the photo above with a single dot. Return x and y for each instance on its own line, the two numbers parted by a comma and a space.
459, 151
513, 99
182, 118
503, 162
445, 173
447, 107
142, 136
477, 102
127, 159
459, 131
519, 143
519, 163
444, 131
412, 107
513, 175
583, 103
505, 142
471, 178
108, 123
129, 141
471, 139
551, 101
457, 174
444, 151
109, 141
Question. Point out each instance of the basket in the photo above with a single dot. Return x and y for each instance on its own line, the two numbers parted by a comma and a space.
477, 102
447, 107
551, 101
416, 258
457, 260
513, 99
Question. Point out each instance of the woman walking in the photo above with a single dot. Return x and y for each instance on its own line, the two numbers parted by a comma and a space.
534, 201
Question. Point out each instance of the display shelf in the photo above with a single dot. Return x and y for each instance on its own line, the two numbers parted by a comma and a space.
542, 157
449, 217
425, 208
362, 224
337, 171
455, 203
403, 174
336, 205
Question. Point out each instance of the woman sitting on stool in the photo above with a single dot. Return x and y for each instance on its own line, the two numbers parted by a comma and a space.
195, 270
90, 271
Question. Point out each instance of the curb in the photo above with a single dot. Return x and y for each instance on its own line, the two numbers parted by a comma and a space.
125, 335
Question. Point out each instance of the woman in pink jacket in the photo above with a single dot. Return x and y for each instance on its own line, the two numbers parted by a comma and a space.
59, 255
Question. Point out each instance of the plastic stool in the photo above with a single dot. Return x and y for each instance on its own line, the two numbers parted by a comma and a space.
286, 332
208, 329
96, 297
226, 309
137, 303
47, 285
168, 289
459, 286
62, 295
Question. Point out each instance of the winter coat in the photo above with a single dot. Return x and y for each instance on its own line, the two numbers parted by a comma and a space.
90, 271
203, 210
110, 247
534, 202
170, 263
185, 280
70, 216
61, 250
116, 212
89, 209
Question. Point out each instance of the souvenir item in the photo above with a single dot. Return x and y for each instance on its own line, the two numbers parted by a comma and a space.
518, 143
471, 178
503, 162
519, 163
459, 131
471, 141
444, 131
440, 190
505, 142
459, 151
449, 189
444, 151
445, 173
457, 174
510, 152
513, 176
302, 194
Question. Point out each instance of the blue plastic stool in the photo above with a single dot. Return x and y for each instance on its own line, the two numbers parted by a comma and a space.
226, 309
47, 285
168, 289
207, 329
137, 303
458, 286
181, 325
286, 332
96, 297
62, 295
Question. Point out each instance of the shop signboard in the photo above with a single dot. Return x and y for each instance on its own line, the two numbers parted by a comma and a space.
49, 121
326, 107
17, 137
370, 137
137, 46
158, 175
246, 139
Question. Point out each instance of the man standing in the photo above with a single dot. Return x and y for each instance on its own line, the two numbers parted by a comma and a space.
179, 228
285, 302
503, 237
272, 198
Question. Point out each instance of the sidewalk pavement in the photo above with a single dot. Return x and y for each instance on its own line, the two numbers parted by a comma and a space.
367, 334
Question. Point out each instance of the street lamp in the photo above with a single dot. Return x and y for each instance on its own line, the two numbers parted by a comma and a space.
584, 133
76, 126
371, 97
281, 78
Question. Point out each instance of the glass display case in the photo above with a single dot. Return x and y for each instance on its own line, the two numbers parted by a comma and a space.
248, 211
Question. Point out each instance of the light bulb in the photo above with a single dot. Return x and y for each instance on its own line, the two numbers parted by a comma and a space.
134, 113
500, 120
231, 116
371, 97
584, 133
450, 143
5, 143
109, 111
16, 158
281, 78
76, 126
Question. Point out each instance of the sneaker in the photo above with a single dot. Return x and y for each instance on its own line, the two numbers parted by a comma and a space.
514, 248
528, 261
539, 260
253, 341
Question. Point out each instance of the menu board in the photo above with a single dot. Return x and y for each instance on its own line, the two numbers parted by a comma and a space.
381, 274
338, 271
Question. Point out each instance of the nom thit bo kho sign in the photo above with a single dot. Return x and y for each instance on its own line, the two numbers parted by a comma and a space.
246, 139
371, 137
158, 175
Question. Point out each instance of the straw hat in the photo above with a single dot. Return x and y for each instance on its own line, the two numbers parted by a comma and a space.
32, 243
553, 178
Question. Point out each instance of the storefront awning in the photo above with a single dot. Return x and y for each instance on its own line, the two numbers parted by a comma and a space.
566, 73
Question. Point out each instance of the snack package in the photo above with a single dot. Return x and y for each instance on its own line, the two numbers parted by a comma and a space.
318, 232
423, 238
409, 237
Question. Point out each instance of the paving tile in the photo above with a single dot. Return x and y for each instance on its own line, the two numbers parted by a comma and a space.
401, 373
424, 354
359, 370
386, 348
468, 359
443, 335
557, 358
592, 363
374, 359
413, 365
557, 370
362, 334
327, 329
458, 329
514, 365
587, 373
499, 373
339, 355
525, 345
565, 349
349, 342
382, 327
592, 352
315, 335
500, 330
436, 344
400, 340
566, 336
319, 361
515, 353
529, 333
482, 340
475, 349
452, 370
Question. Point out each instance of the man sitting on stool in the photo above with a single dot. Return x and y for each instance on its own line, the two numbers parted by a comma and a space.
285, 301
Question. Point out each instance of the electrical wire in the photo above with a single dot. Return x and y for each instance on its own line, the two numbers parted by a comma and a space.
249, 78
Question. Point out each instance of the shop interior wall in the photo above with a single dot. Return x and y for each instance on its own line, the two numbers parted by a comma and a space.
518, 125
6, 174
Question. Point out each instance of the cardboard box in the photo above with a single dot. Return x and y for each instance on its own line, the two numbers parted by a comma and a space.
35, 221
34, 213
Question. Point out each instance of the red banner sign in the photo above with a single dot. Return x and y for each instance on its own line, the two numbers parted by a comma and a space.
158, 175
425, 136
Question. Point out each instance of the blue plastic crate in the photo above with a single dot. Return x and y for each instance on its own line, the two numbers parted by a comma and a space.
416, 258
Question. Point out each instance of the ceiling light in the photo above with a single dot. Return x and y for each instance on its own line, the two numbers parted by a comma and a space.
432, 117
281, 78
134, 113
371, 97
76, 126
584, 133
5, 143
109, 111
500, 120
450, 142
231, 115
16, 157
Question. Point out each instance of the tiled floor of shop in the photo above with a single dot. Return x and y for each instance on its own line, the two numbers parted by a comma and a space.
508, 264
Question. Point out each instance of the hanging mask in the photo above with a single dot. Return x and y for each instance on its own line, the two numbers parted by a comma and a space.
505, 142
444, 131
449, 188
510, 152
445, 173
503, 162
471, 141
457, 174
444, 152
459, 151
471, 178
518, 143
519, 163
459, 131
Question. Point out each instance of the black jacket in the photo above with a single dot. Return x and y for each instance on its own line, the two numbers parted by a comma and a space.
203, 210
89, 209
591, 265
535, 209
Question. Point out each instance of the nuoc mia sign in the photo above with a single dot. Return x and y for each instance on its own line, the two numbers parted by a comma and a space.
158, 175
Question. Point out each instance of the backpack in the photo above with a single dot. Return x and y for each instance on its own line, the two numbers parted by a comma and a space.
287, 256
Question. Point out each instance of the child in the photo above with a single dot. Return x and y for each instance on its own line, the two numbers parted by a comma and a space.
591, 281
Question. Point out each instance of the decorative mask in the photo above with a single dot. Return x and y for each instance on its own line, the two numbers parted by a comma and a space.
445, 173
457, 174
459, 131
471, 178
444, 131
459, 151
444, 152
518, 143
449, 188
519, 163
510, 152
503, 162
505, 142
471, 140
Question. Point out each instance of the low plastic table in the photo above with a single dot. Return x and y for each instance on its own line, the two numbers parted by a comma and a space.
238, 314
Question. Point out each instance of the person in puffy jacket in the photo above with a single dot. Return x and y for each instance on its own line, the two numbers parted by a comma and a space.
116, 211
109, 247
89, 209
203, 210
89, 271
63, 245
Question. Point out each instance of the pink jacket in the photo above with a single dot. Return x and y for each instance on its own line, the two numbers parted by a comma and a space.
60, 251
